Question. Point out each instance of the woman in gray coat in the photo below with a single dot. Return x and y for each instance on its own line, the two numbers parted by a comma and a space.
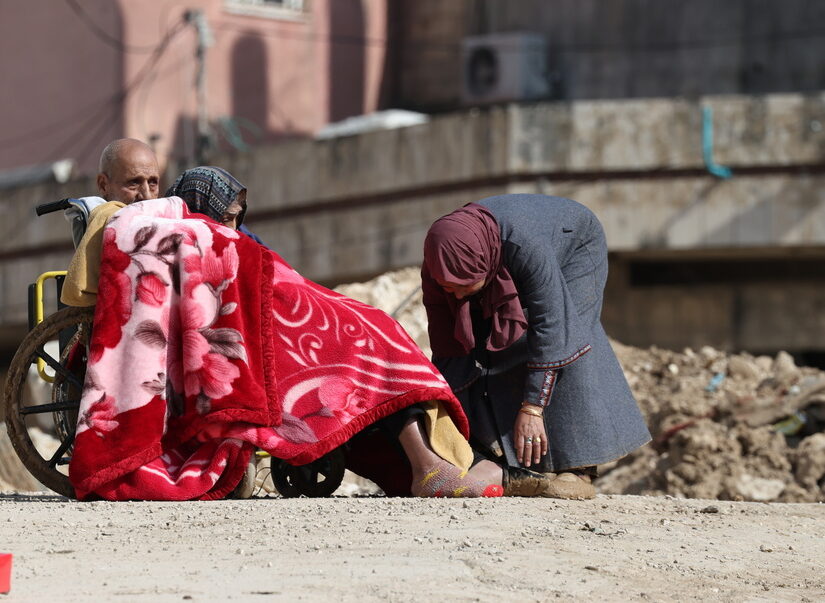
513, 289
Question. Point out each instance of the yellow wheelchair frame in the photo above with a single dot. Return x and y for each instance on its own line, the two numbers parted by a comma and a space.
39, 313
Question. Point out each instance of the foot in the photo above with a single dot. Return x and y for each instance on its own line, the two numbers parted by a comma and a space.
246, 487
487, 472
445, 480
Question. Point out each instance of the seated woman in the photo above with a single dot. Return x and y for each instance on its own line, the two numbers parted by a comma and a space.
206, 346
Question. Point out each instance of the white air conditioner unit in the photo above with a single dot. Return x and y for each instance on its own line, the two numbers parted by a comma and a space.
504, 67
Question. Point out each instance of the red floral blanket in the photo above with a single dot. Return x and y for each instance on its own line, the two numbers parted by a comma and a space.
207, 345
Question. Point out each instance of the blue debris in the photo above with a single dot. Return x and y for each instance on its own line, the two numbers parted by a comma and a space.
715, 382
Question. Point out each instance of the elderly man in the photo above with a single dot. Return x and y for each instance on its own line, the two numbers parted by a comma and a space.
128, 172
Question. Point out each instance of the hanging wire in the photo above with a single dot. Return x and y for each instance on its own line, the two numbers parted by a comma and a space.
117, 100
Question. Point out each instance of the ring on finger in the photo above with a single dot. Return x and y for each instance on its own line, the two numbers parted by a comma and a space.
537, 440
529, 440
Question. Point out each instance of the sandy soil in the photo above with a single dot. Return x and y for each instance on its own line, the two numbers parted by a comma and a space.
614, 548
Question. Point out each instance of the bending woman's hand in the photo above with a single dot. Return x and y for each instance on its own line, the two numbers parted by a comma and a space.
529, 438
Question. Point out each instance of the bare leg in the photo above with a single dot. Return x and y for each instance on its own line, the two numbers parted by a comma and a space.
433, 476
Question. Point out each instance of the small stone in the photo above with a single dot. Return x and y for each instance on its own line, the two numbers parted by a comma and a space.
765, 548
592, 568
784, 366
759, 488
710, 509
742, 368
765, 363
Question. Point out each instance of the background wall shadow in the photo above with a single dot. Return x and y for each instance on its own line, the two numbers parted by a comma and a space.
346, 59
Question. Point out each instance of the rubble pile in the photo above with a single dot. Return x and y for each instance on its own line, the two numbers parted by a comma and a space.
14, 477
725, 426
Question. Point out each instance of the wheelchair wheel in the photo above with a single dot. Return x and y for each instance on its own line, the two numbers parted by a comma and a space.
319, 478
47, 464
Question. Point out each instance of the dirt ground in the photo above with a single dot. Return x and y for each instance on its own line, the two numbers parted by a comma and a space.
615, 548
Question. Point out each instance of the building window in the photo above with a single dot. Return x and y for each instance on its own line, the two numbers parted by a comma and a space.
276, 9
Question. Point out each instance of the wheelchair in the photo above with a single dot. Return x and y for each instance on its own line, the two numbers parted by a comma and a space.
55, 349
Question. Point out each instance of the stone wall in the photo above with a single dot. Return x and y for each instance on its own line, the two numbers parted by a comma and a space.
360, 205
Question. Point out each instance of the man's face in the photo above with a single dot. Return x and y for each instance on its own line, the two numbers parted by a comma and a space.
133, 177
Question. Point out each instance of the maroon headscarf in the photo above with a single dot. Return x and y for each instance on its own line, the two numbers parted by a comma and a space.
464, 247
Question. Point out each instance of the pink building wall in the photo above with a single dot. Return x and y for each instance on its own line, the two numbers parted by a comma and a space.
55, 78
63, 83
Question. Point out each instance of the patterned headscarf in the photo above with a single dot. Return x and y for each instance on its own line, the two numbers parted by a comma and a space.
208, 190
464, 247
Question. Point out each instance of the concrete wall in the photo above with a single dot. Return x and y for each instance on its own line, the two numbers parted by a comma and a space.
776, 307
30, 246
638, 164
624, 48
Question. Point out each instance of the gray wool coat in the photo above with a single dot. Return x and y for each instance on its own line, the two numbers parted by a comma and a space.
556, 253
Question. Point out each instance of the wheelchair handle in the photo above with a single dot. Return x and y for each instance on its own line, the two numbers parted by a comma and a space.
47, 208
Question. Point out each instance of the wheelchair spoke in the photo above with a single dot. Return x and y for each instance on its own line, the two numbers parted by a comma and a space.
59, 368
52, 407
58, 455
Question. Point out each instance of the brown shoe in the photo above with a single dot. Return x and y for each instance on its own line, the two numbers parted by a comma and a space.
518, 481
571, 486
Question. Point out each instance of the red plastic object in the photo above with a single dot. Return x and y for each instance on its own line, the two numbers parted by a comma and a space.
5, 572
